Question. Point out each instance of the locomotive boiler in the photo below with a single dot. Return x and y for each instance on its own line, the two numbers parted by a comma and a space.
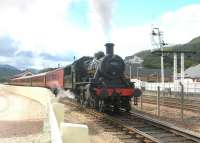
101, 83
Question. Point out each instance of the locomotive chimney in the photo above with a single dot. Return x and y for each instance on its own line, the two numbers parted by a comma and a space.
109, 48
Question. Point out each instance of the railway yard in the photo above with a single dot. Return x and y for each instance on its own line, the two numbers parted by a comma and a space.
20, 125
99, 71
135, 126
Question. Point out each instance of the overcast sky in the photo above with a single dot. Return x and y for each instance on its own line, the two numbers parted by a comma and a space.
43, 33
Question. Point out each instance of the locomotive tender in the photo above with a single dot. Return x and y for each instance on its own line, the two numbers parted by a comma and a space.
98, 81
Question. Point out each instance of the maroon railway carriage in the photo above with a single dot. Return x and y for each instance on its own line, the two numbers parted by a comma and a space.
55, 79
38, 80
25, 81
52, 79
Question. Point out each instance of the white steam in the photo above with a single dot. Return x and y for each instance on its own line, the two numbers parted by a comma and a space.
66, 93
103, 12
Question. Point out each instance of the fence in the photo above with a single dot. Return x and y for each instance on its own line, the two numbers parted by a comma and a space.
190, 88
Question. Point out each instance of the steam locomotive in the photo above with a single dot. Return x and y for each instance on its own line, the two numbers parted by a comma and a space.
98, 82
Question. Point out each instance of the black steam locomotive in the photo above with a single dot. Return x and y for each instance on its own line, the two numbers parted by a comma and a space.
99, 81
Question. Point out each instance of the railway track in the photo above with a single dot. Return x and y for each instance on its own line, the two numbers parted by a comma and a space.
132, 127
189, 104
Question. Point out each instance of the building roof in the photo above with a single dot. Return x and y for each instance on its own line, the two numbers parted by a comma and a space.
133, 60
193, 72
30, 76
141, 71
23, 74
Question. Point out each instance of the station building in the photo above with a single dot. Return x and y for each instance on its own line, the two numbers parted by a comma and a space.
134, 69
193, 73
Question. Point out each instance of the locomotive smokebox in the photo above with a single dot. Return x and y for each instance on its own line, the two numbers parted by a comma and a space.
109, 48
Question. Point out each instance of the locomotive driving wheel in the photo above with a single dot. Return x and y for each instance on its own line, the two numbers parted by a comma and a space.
101, 105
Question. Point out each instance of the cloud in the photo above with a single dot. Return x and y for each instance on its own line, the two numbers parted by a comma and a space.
131, 40
7, 49
182, 25
63, 57
41, 30
26, 54
27, 59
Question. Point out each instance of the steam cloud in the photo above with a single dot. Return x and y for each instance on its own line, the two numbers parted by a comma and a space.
104, 10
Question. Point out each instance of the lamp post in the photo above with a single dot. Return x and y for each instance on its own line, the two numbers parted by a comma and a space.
138, 68
130, 72
156, 73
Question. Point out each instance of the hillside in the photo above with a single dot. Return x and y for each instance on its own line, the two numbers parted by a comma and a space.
6, 71
46, 70
34, 71
153, 61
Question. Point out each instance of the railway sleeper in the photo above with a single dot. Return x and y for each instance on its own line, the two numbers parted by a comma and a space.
139, 125
148, 141
147, 128
164, 135
108, 127
132, 141
153, 132
139, 136
187, 141
175, 139
124, 136
112, 130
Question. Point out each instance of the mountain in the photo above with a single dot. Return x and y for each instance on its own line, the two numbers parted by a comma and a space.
32, 70
7, 71
46, 70
153, 60
8, 67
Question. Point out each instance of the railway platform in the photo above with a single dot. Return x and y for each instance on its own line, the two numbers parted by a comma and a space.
33, 115
21, 118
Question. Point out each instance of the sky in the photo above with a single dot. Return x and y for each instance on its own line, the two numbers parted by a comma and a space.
44, 33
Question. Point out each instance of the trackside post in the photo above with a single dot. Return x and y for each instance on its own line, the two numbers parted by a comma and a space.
182, 99
158, 101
